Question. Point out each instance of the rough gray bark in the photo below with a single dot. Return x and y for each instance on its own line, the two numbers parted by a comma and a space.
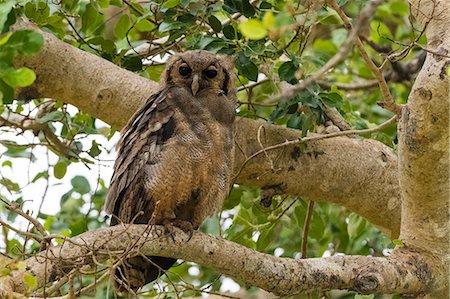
424, 149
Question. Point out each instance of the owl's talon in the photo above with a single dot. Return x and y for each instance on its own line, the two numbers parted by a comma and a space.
168, 228
184, 225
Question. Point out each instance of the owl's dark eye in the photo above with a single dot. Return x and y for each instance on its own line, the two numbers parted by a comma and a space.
184, 70
210, 73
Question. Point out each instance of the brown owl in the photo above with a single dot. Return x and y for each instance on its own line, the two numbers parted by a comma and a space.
175, 155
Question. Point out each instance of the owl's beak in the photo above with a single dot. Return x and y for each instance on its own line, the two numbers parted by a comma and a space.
195, 85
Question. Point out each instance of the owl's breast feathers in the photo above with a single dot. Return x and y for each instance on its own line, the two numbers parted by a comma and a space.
174, 150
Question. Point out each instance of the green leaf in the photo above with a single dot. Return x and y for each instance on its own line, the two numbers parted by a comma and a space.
380, 32
265, 5
269, 20
122, 26
356, 225
52, 116
171, 3
80, 184
95, 150
132, 63
18, 77
60, 169
246, 67
7, 163
400, 8
215, 24
5, 8
103, 3
325, 46
279, 112
19, 152
91, 19
38, 11
287, 71
167, 26
253, 29
187, 19
247, 8
6, 93
265, 238
295, 121
144, 26
332, 99
42, 174
397, 242
229, 32
9, 185
306, 124
25, 42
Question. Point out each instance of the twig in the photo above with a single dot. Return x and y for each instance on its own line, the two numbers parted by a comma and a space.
336, 118
432, 51
258, 137
343, 51
252, 84
71, 294
393, 75
55, 287
316, 138
387, 101
14, 207
18, 231
348, 86
80, 292
27, 123
306, 226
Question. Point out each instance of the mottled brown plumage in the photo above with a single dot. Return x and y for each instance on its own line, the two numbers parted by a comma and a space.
175, 156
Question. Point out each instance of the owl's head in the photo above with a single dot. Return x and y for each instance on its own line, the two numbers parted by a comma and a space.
200, 70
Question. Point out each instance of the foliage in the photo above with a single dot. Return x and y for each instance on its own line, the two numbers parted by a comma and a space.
274, 43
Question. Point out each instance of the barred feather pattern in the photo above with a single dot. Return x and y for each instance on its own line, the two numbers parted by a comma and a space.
174, 162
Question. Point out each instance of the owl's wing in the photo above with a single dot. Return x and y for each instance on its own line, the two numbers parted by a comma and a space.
140, 144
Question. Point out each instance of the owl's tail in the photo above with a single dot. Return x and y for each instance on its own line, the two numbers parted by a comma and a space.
138, 271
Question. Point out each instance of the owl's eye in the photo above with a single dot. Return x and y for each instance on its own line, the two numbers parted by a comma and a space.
210, 73
184, 70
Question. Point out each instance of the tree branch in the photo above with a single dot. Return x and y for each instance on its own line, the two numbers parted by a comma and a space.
401, 273
424, 148
358, 174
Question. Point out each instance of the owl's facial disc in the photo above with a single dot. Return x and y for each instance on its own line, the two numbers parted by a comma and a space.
197, 72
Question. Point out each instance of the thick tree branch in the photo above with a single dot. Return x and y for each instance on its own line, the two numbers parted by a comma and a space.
358, 174
424, 148
401, 273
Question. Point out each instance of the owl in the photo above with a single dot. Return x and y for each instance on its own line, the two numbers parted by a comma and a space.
175, 156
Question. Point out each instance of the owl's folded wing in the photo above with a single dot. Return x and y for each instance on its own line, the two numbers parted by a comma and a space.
140, 144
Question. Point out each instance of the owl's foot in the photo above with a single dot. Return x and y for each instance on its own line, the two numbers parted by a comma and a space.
184, 225
168, 228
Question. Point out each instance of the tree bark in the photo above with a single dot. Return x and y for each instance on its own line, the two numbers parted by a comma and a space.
281, 276
358, 174
424, 149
